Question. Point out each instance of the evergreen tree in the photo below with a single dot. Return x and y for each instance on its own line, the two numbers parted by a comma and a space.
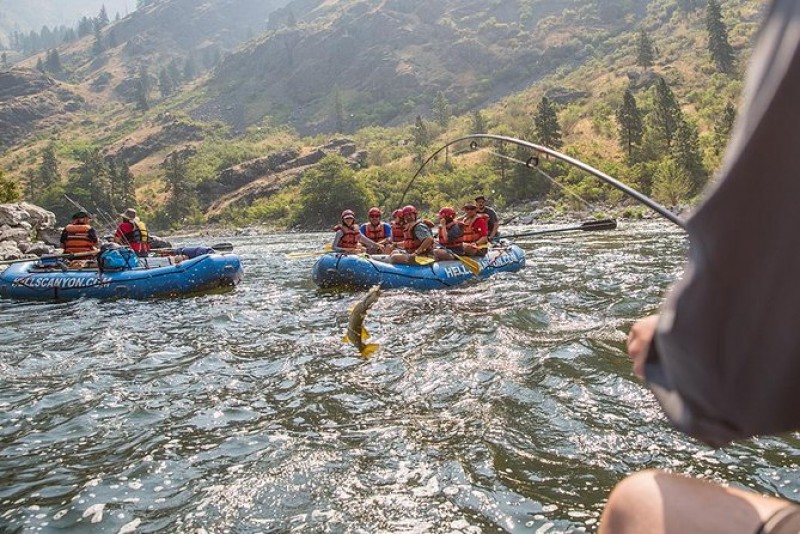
48, 173
174, 71
9, 190
85, 27
126, 191
39, 64
723, 128
338, 112
165, 84
630, 124
441, 109
291, 21
143, 89
671, 184
181, 193
479, 125
98, 47
189, 68
667, 114
687, 156
102, 18
90, 181
718, 45
421, 137
53, 62
645, 52
326, 190
4, 60
112, 38
548, 130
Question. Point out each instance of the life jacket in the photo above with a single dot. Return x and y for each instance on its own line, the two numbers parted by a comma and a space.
78, 239
410, 242
376, 233
350, 239
398, 233
470, 234
455, 243
138, 238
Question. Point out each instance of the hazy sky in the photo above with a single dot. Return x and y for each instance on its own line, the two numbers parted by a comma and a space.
33, 14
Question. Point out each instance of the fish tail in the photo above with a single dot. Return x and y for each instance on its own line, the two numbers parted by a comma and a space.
369, 349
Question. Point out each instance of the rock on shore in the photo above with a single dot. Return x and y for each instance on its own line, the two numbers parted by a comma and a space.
26, 230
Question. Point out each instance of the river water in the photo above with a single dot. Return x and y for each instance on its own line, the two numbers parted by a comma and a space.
503, 406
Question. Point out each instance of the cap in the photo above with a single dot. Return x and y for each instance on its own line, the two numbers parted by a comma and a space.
470, 205
374, 211
480, 197
130, 213
81, 215
348, 213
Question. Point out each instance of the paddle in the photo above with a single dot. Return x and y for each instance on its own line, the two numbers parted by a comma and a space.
599, 224
327, 249
218, 247
71, 256
473, 266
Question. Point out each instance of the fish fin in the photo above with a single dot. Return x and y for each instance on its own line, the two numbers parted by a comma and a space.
364, 334
346, 339
369, 349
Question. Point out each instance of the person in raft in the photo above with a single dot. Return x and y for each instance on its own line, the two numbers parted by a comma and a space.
348, 239
492, 221
451, 235
132, 232
476, 232
378, 231
398, 229
723, 356
417, 238
79, 236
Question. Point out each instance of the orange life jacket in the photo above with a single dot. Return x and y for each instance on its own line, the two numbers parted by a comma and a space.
470, 233
410, 242
78, 239
376, 233
398, 233
455, 243
351, 236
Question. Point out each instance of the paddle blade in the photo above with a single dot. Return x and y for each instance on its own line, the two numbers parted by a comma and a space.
223, 247
473, 266
423, 260
599, 224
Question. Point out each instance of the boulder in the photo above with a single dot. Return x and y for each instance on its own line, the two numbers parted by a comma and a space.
157, 242
50, 236
16, 234
40, 249
23, 212
9, 251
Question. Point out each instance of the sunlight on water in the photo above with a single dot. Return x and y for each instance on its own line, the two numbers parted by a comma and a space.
504, 406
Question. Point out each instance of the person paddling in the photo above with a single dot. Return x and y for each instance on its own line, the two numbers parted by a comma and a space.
348, 238
377, 230
451, 235
79, 236
417, 239
475, 231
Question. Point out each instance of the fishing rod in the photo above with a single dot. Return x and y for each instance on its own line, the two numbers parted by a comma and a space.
534, 162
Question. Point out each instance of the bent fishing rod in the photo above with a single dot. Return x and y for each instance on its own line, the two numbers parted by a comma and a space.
533, 161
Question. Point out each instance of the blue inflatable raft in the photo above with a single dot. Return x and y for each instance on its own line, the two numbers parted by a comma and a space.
342, 270
156, 277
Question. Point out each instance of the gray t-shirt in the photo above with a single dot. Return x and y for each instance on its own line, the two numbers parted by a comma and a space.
725, 363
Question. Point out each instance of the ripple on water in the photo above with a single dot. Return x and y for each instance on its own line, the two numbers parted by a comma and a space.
507, 405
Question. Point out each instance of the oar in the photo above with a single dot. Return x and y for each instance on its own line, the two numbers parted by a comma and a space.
473, 266
327, 249
71, 256
599, 224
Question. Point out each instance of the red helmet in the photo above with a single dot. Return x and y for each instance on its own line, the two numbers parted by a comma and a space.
374, 211
447, 212
409, 209
398, 213
348, 213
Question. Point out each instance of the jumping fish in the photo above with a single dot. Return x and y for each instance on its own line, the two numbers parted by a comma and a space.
356, 333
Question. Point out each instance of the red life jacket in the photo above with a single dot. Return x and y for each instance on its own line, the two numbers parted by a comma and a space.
376, 233
457, 242
470, 233
78, 239
351, 236
410, 242
398, 233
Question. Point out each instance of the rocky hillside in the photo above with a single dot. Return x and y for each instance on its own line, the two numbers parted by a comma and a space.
385, 61
31, 101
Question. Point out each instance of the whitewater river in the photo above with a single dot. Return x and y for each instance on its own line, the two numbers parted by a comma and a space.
503, 406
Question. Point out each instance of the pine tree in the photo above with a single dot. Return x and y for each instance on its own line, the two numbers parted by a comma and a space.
421, 138
723, 128
441, 109
291, 21
631, 128
143, 89
53, 62
9, 190
479, 125
126, 185
165, 84
667, 114
645, 52
102, 18
718, 45
189, 68
39, 64
671, 184
4, 60
48, 173
98, 47
548, 130
176, 177
687, 155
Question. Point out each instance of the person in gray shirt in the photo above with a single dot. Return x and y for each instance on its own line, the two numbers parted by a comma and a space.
723, 355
